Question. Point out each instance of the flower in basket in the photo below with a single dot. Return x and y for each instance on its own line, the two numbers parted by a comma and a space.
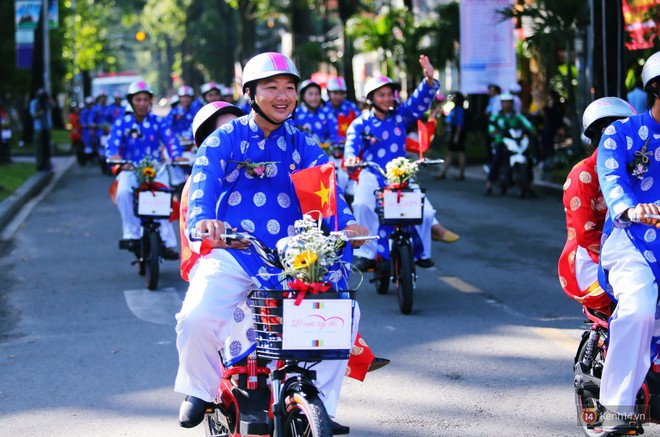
146, 171
400, 170
309, 255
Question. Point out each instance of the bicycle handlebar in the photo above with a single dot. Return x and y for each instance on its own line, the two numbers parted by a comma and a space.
634, 217
266, 253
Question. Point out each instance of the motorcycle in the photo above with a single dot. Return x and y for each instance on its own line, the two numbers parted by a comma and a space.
402, 208
290, 406
516, 171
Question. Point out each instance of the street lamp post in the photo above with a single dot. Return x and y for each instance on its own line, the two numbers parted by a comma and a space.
44, 22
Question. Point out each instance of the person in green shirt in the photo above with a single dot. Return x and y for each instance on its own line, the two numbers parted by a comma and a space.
498, 128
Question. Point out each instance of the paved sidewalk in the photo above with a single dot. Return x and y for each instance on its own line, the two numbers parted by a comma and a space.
10, 207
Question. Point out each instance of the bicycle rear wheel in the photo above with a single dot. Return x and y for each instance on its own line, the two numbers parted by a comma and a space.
152, 260
305, 416
403, 271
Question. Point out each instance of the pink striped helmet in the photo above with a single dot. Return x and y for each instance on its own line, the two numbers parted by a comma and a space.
378, 82
266, 65
336, 84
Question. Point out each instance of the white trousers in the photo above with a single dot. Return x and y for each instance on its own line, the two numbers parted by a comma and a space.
632, 324
586, 270
364, 209
131, 228
218, 285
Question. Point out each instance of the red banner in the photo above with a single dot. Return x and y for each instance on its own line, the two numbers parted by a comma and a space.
641, 27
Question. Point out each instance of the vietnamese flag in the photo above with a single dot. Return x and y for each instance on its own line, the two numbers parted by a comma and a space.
343, 121
316, 188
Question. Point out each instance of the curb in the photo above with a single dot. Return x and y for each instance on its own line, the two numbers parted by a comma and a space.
12, 204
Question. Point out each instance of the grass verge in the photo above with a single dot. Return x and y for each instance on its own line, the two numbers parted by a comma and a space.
12, 176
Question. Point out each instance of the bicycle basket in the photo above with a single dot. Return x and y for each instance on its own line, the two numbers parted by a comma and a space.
152, 201
401, 207
318, 329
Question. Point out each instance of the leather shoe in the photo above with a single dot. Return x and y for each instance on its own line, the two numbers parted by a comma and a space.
191, 412
425, 263
364, 264
169, 254
338, 429
378, 363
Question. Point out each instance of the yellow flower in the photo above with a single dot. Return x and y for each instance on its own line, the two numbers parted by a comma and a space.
304, 259
324, 145
398, 172
149, 172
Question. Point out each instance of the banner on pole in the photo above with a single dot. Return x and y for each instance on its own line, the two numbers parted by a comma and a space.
488, 52
640, 24
28, 11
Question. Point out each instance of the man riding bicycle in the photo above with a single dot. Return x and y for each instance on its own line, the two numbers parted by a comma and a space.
380, 136
133, 137
628, 167
242, 167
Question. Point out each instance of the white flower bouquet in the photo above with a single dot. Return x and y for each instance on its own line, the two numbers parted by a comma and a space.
400, 170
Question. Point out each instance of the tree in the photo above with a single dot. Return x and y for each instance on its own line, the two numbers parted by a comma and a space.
554, 25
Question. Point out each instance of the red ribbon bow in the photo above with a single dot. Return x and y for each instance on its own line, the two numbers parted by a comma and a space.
399, 187
302, 288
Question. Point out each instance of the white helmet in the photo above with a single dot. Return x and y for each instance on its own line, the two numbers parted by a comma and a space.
506, 96
336, 84
174, 100
209, 110
651, 69
378, 82
185, 91
138, 87
266, 65
208, 86
306, 84
605, 107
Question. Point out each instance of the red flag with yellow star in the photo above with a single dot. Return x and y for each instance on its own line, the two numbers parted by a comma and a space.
343, 121
316, 188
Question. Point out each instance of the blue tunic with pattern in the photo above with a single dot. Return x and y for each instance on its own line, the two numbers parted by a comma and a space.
133, 140
320, 123
621, 147
265, 206
181, 120
381, 141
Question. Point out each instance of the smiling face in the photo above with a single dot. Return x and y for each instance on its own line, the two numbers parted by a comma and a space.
312, 97
141, 103
212, 96
276, 96
383, 98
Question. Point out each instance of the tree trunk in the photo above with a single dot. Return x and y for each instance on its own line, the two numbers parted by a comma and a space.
246, 47
348, 8
572, 113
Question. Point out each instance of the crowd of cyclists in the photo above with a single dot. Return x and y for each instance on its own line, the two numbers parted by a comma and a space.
283, 122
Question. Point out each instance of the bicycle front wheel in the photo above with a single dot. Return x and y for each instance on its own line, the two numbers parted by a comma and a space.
305, 416
405, 284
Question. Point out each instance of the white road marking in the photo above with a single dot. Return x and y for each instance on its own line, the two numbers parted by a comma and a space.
159, 306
